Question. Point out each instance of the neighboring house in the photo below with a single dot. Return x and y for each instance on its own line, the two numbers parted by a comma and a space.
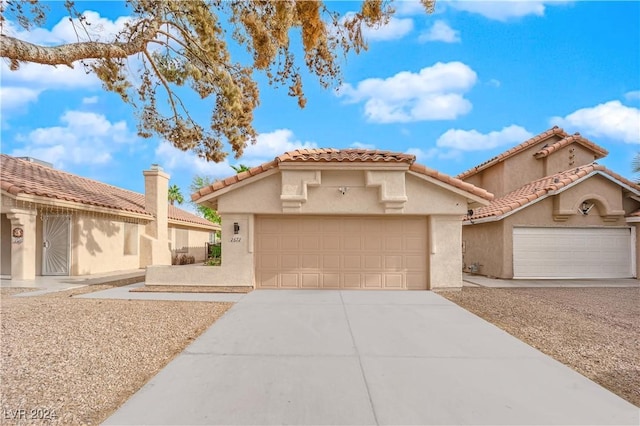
556, 213
57, 223
341, 219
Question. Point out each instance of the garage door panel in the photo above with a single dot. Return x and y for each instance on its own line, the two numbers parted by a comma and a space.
288, 242
289, 280
288, 261
393, 281
331, 262
330, 280
572, 253
373, 262
341, 252
352, 243
352, 262
310, 281
393, 243
373, 280
352, 280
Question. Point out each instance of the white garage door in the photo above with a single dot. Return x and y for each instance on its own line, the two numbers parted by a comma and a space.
572, 253
341, 252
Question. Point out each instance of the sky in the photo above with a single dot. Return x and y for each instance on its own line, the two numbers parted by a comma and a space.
454, 88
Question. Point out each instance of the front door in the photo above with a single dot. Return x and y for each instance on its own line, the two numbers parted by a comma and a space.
56, 247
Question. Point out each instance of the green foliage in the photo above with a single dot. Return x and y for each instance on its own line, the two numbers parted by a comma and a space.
197, 183
175, 195
240, 168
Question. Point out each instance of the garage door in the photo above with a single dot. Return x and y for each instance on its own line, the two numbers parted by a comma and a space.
572, 253
341, 252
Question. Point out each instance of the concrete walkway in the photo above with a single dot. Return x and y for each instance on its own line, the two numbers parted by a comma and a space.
124, 292
52, 284
358, 357
470, 280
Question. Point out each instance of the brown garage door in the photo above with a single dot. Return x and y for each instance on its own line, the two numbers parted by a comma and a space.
341, 252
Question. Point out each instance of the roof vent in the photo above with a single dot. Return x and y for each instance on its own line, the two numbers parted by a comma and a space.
36, 161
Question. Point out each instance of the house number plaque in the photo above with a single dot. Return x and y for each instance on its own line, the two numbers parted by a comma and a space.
17, 234
235, 239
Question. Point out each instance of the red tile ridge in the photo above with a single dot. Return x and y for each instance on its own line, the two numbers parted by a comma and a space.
465, 186
555, 130
598, 150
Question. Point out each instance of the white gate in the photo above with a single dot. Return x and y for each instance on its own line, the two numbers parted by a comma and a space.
56, 247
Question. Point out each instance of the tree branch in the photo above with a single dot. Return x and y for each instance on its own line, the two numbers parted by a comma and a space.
23, 51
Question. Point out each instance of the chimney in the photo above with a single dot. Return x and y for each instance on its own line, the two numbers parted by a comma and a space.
156, 187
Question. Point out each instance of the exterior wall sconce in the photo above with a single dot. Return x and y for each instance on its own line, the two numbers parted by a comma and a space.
236, 228
585, 208
343, 190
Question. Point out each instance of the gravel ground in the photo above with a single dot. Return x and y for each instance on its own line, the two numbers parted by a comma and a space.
80, 359
595, 331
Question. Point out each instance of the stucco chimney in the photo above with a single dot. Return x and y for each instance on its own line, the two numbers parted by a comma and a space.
156, 187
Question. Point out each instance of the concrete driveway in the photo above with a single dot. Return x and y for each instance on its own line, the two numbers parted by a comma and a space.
359, 357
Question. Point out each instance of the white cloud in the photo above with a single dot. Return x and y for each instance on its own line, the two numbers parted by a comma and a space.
434, 93
472, 140
270, 145
421, 155
16, 98
611, 120
409, 7
90, 100
83, 138
440, 31
632, 96
172, 159
494, 83
504, 10
395, 29
361, 145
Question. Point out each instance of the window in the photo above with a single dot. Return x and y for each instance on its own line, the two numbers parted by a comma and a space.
130, 238
182, 240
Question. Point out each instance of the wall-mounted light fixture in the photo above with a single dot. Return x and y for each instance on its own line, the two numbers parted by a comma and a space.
343, 190
236, 228
585, 208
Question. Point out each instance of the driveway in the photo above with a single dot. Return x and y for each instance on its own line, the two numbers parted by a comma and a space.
360, 357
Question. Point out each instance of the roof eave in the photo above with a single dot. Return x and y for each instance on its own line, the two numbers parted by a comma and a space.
471, 198
208, 198
74, 205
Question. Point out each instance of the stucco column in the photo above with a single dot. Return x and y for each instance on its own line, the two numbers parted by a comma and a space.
156, 241
445, 251
23, 243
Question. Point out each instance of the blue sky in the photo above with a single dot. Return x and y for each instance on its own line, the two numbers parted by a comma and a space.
455, 88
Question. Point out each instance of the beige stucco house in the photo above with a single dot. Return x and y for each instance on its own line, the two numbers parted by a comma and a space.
57, 223
556, 213
338, 219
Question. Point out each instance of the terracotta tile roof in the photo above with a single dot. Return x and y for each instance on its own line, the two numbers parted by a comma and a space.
554, 131
351, 155
24, 177
598, 150
343, 155
540, 188
482, 193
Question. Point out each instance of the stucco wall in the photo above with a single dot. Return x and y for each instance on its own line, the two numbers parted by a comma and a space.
483, 244
445, 262
5, 245
573, 155
98, 246
197, 240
